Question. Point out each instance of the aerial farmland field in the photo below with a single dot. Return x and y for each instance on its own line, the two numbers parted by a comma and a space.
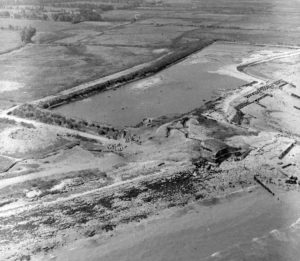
149, 130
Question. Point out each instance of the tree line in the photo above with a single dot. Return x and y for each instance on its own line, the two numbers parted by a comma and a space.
86, 14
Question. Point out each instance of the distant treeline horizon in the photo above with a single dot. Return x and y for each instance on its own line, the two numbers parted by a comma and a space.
43, 2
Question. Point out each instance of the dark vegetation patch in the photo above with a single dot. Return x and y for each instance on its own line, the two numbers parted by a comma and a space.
106, 202
6, 123
108, 227
130, 194
42, 184
134, 218
181, 183
29, 111
124, 204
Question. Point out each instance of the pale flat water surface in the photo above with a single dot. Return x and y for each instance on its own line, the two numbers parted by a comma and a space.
178, 89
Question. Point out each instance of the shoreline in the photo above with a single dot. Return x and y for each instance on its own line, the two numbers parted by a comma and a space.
195, 227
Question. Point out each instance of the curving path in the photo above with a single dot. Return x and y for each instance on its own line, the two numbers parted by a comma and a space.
242, 67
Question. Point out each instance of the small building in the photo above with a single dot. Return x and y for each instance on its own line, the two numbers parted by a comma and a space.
215, 150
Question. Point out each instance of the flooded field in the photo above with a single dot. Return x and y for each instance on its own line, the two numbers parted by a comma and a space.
178, 89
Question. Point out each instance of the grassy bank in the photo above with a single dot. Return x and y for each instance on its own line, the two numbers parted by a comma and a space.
30, 111
146, 71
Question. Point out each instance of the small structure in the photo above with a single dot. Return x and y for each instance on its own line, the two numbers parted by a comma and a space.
216, 151
287, 150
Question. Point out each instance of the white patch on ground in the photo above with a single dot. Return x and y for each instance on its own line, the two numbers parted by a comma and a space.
33, 193
216, 254
264, 54
287, 121
230, 70
147, 83
161, 50
196, 59
13, 205
295, 224
20, 139
6, 86
62, 185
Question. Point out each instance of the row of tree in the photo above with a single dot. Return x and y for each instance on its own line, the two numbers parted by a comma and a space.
82, 15
52, 2
74, 17
46, 116
26, 33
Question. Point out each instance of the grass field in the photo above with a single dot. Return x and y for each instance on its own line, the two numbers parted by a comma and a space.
48, 69
9, 40
66, 54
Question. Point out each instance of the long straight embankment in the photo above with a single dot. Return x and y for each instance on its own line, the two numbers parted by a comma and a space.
118, 79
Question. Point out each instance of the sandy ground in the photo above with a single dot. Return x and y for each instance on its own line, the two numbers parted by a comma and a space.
9, 86
21, 139
197, 231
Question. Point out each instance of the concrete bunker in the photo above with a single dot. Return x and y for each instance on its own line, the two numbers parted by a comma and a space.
216, 151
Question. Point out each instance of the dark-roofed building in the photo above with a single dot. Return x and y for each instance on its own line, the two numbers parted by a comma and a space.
216, 150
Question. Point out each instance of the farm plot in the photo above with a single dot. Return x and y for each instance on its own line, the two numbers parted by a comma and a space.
43, 70
141, 35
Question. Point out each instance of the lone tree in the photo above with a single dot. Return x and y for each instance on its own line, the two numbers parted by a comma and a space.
27, 33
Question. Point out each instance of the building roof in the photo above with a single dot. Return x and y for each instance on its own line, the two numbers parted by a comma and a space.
214, 145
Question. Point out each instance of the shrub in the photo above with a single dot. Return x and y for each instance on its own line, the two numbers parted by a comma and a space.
27, 33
